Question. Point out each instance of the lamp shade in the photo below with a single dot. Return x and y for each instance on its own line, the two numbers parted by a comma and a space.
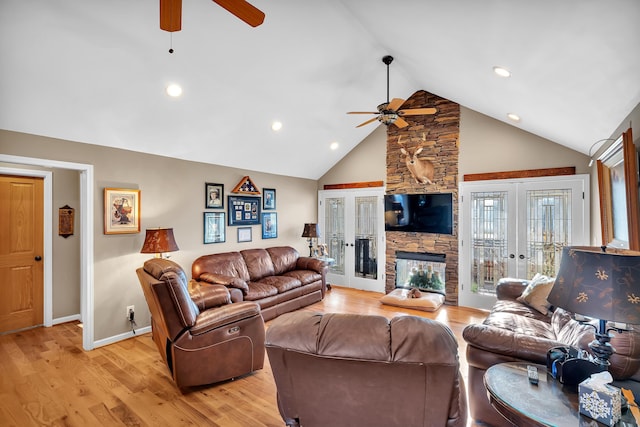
159, 240
597, 284
310, 230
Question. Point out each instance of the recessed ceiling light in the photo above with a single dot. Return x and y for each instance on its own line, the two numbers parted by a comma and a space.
174, 90
276, 126
501, 71
334, 145
514, 117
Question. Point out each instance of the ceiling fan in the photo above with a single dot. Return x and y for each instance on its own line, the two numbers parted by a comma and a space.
171, 13
388, 112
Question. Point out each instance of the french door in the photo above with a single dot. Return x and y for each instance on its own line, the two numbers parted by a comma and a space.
517, 228
352, 227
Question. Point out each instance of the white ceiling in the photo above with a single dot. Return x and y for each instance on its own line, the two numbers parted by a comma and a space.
94, 71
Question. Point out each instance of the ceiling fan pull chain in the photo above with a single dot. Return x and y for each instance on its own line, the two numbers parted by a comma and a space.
170, 42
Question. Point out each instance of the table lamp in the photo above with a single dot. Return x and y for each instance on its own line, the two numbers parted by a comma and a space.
311, 231
601, 284
158, 241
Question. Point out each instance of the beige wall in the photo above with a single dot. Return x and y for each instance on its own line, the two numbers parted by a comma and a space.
172, 195
366, 162
489, 145
486, 145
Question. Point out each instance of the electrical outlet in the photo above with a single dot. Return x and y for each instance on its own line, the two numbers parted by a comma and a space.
130, 308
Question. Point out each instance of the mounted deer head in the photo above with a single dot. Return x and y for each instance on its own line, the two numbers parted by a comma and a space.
421, 169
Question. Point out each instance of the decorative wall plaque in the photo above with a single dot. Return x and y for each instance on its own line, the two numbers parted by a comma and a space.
65, 221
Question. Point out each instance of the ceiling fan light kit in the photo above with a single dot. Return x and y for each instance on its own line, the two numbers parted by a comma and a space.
388, 112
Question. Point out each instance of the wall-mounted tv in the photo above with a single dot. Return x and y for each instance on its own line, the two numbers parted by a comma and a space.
422, 213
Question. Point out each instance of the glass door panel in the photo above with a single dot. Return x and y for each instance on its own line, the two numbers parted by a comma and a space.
333, 233
366, 234
489, 240
548, 230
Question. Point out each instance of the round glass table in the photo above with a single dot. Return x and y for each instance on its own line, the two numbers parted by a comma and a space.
526, 405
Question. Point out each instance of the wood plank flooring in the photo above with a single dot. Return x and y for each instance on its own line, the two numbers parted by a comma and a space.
47, 379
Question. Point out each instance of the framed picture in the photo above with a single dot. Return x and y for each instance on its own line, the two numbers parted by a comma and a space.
244, 234
243, 210
121, 211
269, 225
213, 194
214, 227
268, 198
618, 188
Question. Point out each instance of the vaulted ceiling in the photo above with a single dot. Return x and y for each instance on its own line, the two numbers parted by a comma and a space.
95, 71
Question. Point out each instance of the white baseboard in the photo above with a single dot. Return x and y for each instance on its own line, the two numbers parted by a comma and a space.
65, 319
121, 337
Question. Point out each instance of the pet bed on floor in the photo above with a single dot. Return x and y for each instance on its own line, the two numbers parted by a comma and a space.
413, 298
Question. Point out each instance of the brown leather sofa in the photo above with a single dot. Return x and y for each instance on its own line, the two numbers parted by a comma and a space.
515, 332
277, 278
361, 370
202, 337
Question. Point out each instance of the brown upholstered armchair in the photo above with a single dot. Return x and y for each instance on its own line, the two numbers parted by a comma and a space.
202, 337
361, 370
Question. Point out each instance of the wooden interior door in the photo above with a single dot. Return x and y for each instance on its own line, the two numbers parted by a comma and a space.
21, 252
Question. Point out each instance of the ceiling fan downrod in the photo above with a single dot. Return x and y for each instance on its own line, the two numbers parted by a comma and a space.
388, 59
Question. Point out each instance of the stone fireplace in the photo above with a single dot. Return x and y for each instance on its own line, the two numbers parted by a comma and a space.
438, 134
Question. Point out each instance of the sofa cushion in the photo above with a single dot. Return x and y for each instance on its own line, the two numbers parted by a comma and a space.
258, 263
304, 276
533, 326
284, 258
225, 264
536, 293
281, 283
519, 309
259, 290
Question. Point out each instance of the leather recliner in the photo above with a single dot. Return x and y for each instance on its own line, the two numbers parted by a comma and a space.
202, 337
362, 370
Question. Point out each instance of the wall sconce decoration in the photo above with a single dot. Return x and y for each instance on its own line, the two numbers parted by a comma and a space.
66, 216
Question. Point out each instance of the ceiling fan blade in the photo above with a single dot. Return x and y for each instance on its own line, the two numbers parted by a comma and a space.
395, 104
171, 15
243, 10
417, 111
362, 112
367, 122
401, 123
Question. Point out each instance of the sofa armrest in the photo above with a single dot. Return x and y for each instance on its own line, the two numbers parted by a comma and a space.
310, 263
509, 288
230, 281
207, 296
508, 343
225, 315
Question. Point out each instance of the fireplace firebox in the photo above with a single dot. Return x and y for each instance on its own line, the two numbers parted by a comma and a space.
422, 270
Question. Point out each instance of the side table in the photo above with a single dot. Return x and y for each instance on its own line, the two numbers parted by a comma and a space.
547, 404
330, 262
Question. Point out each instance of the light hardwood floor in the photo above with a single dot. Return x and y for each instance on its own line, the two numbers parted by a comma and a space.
46, 378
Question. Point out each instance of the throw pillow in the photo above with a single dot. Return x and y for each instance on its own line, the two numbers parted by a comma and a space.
536, 293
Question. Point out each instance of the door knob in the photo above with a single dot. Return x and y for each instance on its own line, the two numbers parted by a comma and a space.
38, 258
512, 256
521, 256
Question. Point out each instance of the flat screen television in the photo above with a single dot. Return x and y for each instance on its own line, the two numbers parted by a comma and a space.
422, 213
